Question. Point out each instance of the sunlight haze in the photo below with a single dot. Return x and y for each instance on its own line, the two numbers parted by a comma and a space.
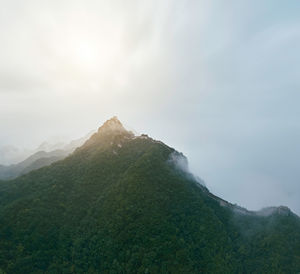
218, 81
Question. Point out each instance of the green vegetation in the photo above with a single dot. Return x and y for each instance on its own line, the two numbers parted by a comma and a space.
117, 205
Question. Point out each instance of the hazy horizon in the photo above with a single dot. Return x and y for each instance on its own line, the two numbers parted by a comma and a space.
216, 81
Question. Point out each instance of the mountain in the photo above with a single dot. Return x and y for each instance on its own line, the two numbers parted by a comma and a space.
48, 146
45, 155
122, 203
35, 161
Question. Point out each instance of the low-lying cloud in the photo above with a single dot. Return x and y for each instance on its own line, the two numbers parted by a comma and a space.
180, 162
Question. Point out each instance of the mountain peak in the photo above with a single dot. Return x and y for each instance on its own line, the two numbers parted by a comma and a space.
109, 130
112, 124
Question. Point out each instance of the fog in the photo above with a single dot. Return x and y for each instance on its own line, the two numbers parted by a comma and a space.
218, 81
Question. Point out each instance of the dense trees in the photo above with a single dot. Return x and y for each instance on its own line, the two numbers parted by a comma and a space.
117, 205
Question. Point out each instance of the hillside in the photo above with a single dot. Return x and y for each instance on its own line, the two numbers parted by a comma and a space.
45, 155
125, 204
35, 161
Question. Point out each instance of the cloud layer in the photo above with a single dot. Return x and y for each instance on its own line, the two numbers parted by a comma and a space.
218, 81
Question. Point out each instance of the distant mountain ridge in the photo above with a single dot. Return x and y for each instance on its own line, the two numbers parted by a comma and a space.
45, 155
35, 161
122, 203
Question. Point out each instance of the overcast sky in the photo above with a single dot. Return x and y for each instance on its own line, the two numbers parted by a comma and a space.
217, 80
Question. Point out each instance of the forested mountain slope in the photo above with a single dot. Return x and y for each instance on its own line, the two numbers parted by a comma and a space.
123, 204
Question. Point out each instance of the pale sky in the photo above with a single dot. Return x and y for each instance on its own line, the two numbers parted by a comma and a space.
217, 80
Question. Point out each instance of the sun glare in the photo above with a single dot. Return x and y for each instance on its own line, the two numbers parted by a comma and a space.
85, 53
93, 56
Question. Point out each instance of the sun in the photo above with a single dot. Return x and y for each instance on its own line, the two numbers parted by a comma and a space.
93, 55
86, 53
